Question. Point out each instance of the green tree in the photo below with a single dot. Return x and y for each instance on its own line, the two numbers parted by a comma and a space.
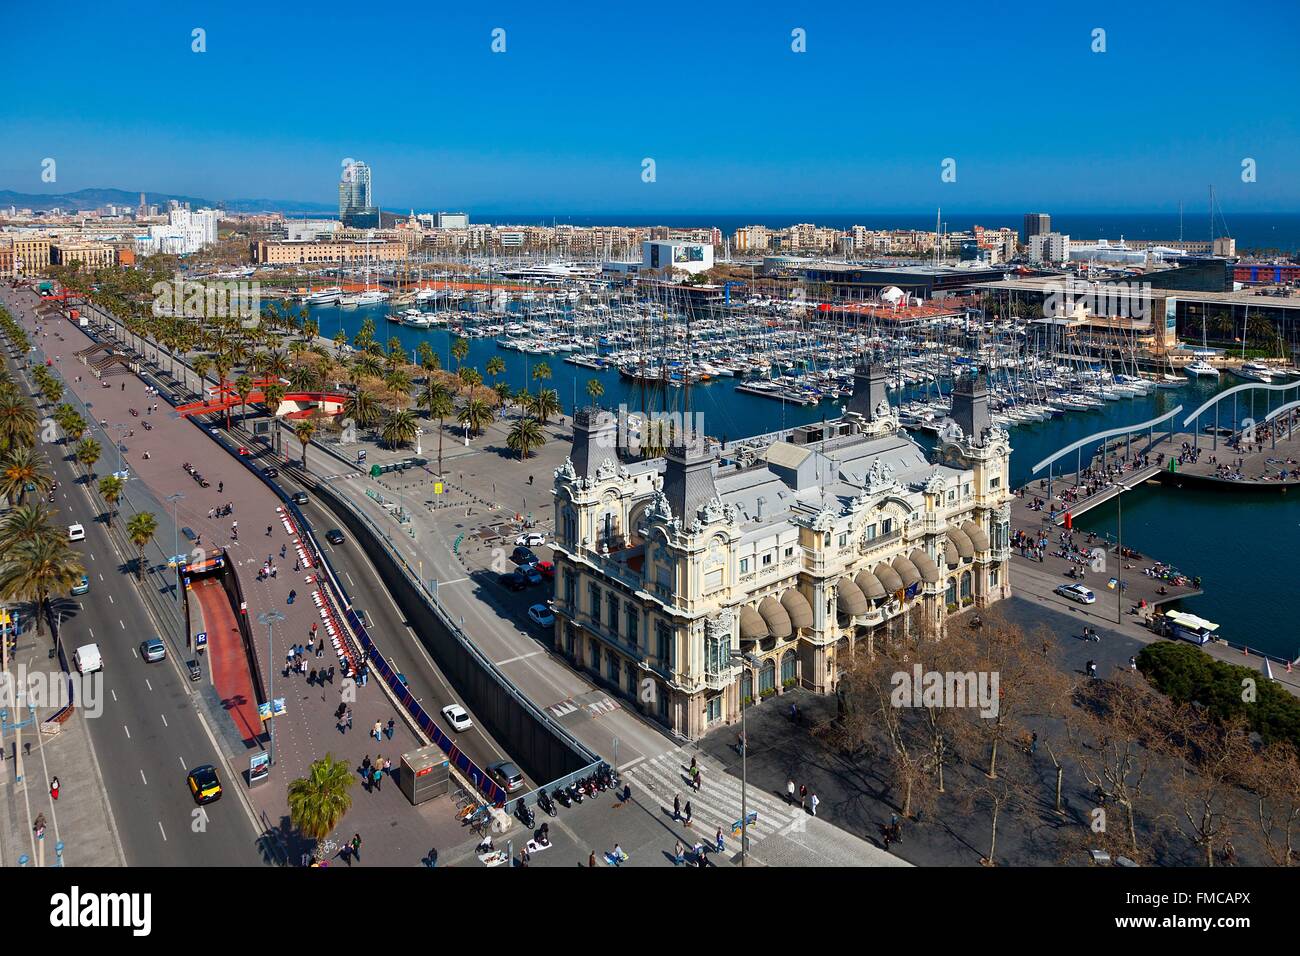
24, 523
437, 402
141, 529
475, 415
525, 435
363, 408
304, 430
110, 489
399, 428
20, 469
243, 388
459, 350
318, 801
37, 568
87, 453
595, 389
546, 404
17, 422
541, 372
495, 366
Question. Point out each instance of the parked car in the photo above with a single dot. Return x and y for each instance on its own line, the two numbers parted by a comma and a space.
270, 472
512, 580
546, 567
334, 536
531, 574
457, 717
531, 538
507, 775
541, 614
1076, 592
153, 650
522, 555
76, 532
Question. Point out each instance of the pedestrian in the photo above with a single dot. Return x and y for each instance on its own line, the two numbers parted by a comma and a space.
221, 487
308, 645
378, 730
688, 813
379, 776
1033, 743
803, 795
54, 788
789, 792
1133, 663
388, 768
356, 846
331, 674
320, 648
814, 803
388, 731
591, 860
268, 533
695, 778
677, 807
717, 839
365, 766
311, 678
677, 853
349, 715
283, 549
313, 628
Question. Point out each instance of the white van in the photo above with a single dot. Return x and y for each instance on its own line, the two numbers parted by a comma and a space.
87, 659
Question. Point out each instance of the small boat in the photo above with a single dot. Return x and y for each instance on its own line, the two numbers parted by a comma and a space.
1201, 369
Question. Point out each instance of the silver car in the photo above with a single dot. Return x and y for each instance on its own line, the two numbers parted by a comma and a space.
153, 650
507, 776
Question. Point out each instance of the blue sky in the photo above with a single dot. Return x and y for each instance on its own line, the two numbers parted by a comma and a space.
735, 121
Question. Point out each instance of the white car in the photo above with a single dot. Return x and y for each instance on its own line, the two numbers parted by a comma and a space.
457, 717
541, 614
76, 532
531, 538
1076, 592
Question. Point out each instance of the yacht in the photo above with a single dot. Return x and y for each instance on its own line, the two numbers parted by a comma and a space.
324, 296
1255, 372
1201, 369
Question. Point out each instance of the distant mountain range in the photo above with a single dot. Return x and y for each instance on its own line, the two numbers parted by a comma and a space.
97, 198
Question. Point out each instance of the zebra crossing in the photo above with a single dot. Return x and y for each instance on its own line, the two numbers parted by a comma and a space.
717, 804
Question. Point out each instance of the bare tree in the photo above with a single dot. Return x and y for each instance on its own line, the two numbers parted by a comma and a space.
1272, 776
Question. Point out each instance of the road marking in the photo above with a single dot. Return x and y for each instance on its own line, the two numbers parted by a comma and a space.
101, 577
442, 584
120, 624
349, 577
162, 831
110, 599
92, 556
631, 763
182, 760
114, 693
91, 632
128, 731
164, 718
511, 660
147, 684
142, 777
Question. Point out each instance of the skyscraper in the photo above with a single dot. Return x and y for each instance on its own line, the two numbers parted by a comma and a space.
354, 197
1036, 223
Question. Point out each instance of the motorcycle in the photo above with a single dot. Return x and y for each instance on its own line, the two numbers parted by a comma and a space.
147, 426
525, 813
546, 803
562, 795
575, 793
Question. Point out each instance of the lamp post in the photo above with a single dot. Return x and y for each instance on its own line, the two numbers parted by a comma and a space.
270, 619
121, 436
176, 520
1119, 544
746, 660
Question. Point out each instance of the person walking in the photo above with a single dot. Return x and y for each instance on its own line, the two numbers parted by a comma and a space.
591, 860
349, 715
813, 804
789, 792
717, 841
54, 788
378, 730
356, 846
379, 778
365, 766
320, 648
221, 487
688, 813
677, 807
331, 679
677, 853
803, 795
389, 730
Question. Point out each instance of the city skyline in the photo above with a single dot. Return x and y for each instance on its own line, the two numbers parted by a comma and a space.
734, 120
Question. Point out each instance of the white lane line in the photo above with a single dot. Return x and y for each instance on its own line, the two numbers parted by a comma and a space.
162, 831
511, 660
142, 777
164, 717
443, 584
110, 599
631, 763
349, 577
182, 760
92, 556
147, 684
114, 693
128, 731
101, 577
91, 632
120, 624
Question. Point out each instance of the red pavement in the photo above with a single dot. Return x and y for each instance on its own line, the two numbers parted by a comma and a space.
226, 658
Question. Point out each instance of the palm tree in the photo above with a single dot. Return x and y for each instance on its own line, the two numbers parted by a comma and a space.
546, 404
110, 489
272, 396
17, 422
475, 415
37, 568
399, 428
595, 389
362, 407
525, 435
541, 372
460, 349
23, 524
437, 401
495, 366
20, 468
202, 365
470, 377
243, 388
222, 364
141, 529
398, 380
318, 801
304, 429
87, 453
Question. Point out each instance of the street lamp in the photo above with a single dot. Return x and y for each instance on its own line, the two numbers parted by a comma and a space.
176, 520
121, 436
738, 657
270, 619
1119, 544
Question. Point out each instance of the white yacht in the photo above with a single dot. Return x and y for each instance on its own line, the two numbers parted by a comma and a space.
324, 296
1255, 372
1201, 369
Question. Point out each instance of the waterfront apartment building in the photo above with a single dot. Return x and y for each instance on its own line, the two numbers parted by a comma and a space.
283, 252
1051, 248
751, 239
31, 254
796, 550
1035, 224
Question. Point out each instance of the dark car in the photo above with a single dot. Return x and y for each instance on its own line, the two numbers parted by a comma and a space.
334, 536
513, 580
271, 472
522, 555
530, 573
300, 498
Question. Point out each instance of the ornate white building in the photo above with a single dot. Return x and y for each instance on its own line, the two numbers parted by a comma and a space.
791, 550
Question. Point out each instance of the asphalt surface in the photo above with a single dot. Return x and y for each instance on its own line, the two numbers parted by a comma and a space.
150, 734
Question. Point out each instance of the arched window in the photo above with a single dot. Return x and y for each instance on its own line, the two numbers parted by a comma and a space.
965, 585
746, 685
788, 666
767, 676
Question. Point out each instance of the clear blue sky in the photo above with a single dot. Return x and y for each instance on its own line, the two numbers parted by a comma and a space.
735, 121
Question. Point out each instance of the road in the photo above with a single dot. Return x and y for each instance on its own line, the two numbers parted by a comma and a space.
150, 733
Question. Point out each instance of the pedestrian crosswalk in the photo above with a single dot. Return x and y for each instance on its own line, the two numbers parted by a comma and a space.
595, 704
718, 802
